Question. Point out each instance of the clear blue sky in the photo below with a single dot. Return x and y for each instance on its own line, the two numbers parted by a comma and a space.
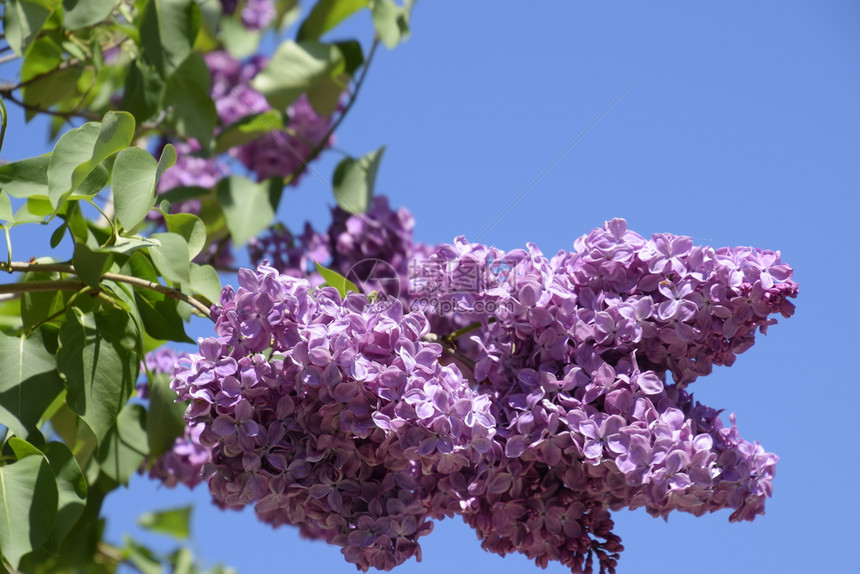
742, 128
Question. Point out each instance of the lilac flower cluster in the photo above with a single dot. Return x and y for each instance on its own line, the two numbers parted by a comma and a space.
346, 419
291, 255
191, 170
354, 246
575, 358
256, 14
325, 414
276, 153
183, 463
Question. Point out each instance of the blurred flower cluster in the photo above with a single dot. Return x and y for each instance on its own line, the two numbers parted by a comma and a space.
555, 392
278, 152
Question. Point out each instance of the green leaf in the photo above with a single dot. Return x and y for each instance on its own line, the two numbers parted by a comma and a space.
43, 56
187, 92
174, 522
171, 257
166, 161
90, 265
180, 194
34, 210
248, 129
23, 19
6, 213
353, 55
247, 207
164, 422
354, 181
38, 306
134, 180
71, 487
336, 280
10, 315
98, 365
296, 69
127, 245
183, 561
238, 40
167, 32
190, 227
29, 383
22, 448
28, 506
391, 21
160, 317
142, 92
46, 85
325, 15
205, 281
82, 13
125, 447
115, 134
27, 177
74, 148
144, 559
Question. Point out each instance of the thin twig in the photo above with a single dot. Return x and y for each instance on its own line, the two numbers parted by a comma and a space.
65, 115
75, 285
9, 58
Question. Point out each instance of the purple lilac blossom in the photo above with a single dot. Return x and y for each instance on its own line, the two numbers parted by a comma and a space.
286, 152
339, 431
279, 152
290, 255
353, 243
183, 463
256, 14
572, 414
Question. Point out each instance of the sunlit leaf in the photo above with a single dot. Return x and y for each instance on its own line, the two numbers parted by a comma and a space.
354, 181
174, 522
28, 506
97, 360
187, 93
247, 206
171, 257
82, 13
336, 280
167, 32
29, 382
164, 422
125, 446
325, 15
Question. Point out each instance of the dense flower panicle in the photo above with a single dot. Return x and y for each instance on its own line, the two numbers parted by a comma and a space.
342, 416
277, 153
374, 248
183, 463
291, 255
378, 233
286, 152
231, 86
335, 432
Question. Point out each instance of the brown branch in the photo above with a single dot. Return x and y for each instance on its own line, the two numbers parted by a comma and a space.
76, 285
65, 115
